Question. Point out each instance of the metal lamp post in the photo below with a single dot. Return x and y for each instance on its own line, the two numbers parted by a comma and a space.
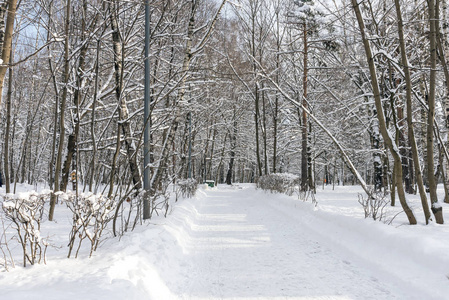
146, 148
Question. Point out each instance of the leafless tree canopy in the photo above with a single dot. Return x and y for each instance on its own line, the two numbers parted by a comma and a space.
343, 92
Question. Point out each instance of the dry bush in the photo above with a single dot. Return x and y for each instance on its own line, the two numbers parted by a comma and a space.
6, 259
91, 214
279, 183
187, 187
374, 206
128, 211
25, 212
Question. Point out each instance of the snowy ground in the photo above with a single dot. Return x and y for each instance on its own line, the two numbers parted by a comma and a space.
241, 243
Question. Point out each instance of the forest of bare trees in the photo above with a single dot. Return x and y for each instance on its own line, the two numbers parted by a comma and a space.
337, 92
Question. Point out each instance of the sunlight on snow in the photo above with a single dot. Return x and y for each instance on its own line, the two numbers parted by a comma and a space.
141, 275
228, 228
333, 297
201, 231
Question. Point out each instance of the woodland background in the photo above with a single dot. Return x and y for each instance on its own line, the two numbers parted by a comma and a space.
337, 92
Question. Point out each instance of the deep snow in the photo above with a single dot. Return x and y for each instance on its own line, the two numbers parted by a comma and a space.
242, 243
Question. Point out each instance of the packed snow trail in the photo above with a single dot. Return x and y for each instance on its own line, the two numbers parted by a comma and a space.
244, 244
238, 244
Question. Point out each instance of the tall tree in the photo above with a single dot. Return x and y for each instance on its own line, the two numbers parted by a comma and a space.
436, 208
65, 95
380, 115
6, 36
411, 131
123, 121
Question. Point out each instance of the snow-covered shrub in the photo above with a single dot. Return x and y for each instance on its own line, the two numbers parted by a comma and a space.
25, 211
374, 206
128, 212
187, 187
279, 183
160, 199
306, 195
6, 259
91, 214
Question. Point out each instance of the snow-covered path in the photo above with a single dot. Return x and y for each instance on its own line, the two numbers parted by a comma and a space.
244, 244
237, 244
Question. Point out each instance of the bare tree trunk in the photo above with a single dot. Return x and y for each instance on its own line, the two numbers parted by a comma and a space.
256, 88
442, 58
7, 134
276, 100
12, 156
56, 106
27, 161
24, 149
264, 128
220, 164
92, 122
66, 74
304, 133
380, 115
72, 143
256, 122
275, 132
7, 42
436, 208
377, 156
403, 151
233, 146
396, 141
123, 109
114, 162
411, 131
209, 170
3, 9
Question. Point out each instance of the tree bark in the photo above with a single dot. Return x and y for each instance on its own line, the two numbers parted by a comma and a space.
122, 105
114, 162
442, 58
436, 208
380, 115
256, 122
264, 132
406, 178
92, 122
66, 74
74, 133
7, 42
3, 10
7, 135
233, 146
304, 132
277, 78
377, 157
51, 164
411, 131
